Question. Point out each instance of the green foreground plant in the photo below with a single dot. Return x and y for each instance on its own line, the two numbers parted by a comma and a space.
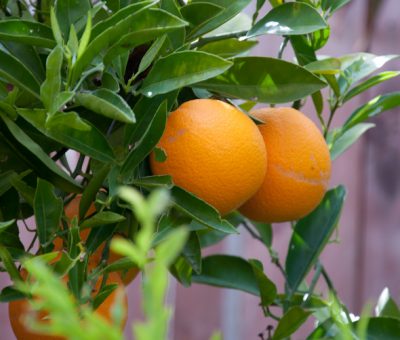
99, 78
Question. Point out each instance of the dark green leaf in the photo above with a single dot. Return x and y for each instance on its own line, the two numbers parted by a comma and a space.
27, 32
48, 210
292, 18
182, 271
102, 218
150, 182
192, 252
266, 286
374, 107
149, 140
333, 5
290, 322
72, 12
103, 294
108, 104
383, 328
196, 13
229, 48
4, 225
265, 231
66, 128
200, 211
386, 306
318, 39
228, 272
208, 237
9, 294
181, 69
310, 236
26, 191
348, 138
264, 80
375, 80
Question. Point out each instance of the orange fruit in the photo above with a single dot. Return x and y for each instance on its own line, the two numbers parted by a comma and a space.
20, 309
214, 151
298, 171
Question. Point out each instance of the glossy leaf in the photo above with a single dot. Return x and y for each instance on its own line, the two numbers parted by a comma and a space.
108, 104
192, 252
311, 234
375, 80
181, 69
229, 48
266, 287
200, 210
228, 272
292, 18
102, 218
290, 322
66, 128
151, 54
386, 306
40, 161
48, 210
230, 9
26, 32
151, 136
348, 138
264, 79
196, 13
374, 107
18, 74
324, 66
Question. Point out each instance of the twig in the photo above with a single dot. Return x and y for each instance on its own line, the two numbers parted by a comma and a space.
317, 274
282, 47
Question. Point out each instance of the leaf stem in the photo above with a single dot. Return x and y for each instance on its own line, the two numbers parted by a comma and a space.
317, 274
203, 41
331, 115
282, 47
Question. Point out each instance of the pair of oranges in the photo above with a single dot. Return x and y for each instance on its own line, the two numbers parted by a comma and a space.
274, 172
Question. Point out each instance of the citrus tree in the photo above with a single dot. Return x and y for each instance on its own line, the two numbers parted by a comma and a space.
129, 140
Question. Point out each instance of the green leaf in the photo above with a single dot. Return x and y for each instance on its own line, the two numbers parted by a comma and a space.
374, 107
177, 36
265, 231
182, 271
228, 272
26, 32
290, 322
152, 135
324, 66
9, 294
69, 129
108, 104
181, 69
196, 13
72, 12
48, 210
386, 306
102, 218
200, 211
267, 288
375, 80
4, 225
264, 79
151, 182
318, 39
229, 48
18, 74
84, 41
311, 234
333, 5
8, 263
230, 9
51, 87
348, 138
192, 252
55, 27
292, 18
40, 161
383, 328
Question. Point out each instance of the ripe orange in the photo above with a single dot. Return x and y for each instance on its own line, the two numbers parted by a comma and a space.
214, 151
299, 167
20, 309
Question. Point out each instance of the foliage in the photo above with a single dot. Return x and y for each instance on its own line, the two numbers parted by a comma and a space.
99, 78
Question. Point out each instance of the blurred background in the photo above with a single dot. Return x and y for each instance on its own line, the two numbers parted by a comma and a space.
366, 258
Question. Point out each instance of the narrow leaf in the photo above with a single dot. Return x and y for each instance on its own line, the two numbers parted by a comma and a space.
290, 322
102, 218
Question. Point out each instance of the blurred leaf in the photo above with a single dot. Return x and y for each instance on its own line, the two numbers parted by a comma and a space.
318, 102
8, 263
102, 218
374, 107
108, 104
18, 74
230, 9
264, 79
383, 328
51, 87
172, 245
348, 138
192, 252
208, 237
386, 306
292, 18
266, 286
26, 32
48, 210
72, 12
333, 5
149, 140
290, 322
9, 294
182, 271
65, 127
312, 302
4, 225
181, 69
318, 39
228, 272
103, 294
40, 161
200, 210
311, 234
229, 48
239, 24
375, 80
324, 66
150, 182
323, 330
